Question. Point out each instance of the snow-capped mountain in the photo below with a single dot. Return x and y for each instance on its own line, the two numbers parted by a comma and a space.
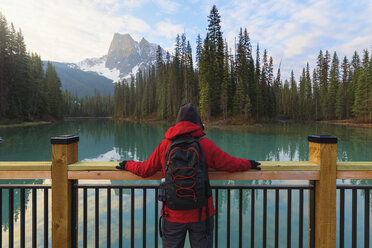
124, 58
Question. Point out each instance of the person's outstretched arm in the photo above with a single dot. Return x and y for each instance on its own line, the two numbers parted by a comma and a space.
220, 160
151, 165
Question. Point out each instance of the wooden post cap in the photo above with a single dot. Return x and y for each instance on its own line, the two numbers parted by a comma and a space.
64, 140
323, 139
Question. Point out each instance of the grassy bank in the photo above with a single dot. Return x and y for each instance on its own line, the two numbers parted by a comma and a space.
349, 122
25, 124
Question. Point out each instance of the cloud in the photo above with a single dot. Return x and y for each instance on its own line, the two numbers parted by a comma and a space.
168, 29
167, 5
296, 31
69, 30
356, 44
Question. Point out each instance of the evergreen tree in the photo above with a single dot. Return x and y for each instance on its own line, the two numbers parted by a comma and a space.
4, 66
54, 94
302, 95
225, 83
308, 96
259, 96
362, 94
342, 98
334, 78
347, 90
215, 49
20, 82
316, 95
323, 69
241, 94
199, 50
205, 77
293, 98
277, 85
38, 94
271, 111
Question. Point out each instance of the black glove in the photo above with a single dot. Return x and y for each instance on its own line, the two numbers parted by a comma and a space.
255, 165
121, 165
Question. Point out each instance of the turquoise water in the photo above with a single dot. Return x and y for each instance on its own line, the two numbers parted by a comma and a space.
108, 140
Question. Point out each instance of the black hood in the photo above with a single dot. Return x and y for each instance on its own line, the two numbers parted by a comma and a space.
188, 112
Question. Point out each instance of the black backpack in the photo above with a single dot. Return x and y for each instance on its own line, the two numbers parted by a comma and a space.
186, 176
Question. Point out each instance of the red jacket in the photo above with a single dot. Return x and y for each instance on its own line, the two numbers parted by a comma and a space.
214, 158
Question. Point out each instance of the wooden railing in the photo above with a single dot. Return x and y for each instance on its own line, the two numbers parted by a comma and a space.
322, 170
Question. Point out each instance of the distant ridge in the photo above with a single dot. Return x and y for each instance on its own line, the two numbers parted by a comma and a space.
81, 83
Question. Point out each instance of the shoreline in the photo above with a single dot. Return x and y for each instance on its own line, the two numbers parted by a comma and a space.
351, 123
214, 123
26, 124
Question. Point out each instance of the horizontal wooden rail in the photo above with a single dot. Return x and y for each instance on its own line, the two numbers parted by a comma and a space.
25, 170
292, 170
26, 166
287, 170
270, 170
354, 170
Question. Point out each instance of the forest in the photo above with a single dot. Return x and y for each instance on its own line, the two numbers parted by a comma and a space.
27, 92
237, 85
224, 83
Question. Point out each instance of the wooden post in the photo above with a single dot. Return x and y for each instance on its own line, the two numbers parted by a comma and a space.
323, 151
64, 152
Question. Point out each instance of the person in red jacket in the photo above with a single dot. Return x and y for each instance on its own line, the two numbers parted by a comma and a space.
177, 222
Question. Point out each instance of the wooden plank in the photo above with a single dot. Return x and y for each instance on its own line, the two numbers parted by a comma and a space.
26, 166
325, 193
354, 174
93, 166
265, 175
62, 155
354, 166
265, 166
25, 175
114, 175
213, 175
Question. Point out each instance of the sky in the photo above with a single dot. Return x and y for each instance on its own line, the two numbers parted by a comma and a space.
292, 32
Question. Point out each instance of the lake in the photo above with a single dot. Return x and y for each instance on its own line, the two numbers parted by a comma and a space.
110, 140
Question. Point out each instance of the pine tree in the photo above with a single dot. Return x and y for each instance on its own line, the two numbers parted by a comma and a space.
265, 84
362, 93
334, 78
271, 95
19, 90
205, 72
293, 98
342, 99
241, 94
308, 92
277, 85
54, 94
302, 95
4, 66
216, 54
37, 100
199, 50
347, 88
316, 95
225, 83
323, 69
259, 95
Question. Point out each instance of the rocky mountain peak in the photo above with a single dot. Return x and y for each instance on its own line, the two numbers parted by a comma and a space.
124, 58
121, 45
144, 42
